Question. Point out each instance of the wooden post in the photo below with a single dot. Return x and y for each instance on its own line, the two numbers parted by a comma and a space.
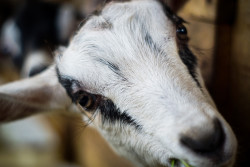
240, 80
231, 79
224, 22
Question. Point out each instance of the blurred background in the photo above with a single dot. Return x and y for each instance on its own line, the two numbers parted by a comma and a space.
31, 30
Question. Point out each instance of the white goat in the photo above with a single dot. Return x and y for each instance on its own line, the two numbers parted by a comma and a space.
131, 70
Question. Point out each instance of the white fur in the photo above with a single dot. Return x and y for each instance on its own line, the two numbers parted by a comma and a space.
17, 134
11, 38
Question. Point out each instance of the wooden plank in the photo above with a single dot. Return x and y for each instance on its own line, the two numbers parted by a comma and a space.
224, 22
240, 80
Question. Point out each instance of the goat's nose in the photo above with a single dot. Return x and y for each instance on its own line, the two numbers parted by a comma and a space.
208, 144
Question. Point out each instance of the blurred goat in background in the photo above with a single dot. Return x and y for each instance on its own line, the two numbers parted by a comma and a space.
36, 29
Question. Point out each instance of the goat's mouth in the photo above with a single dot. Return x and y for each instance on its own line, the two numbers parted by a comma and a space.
174, 162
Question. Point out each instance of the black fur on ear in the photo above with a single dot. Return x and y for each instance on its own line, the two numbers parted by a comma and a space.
174, 5
107, 1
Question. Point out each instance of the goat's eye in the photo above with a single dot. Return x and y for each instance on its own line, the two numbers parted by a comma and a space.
181, 32
87, 101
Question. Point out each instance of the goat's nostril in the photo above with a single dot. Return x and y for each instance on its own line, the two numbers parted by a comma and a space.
208, 144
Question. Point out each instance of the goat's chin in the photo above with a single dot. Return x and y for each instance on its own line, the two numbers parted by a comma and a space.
201, 163
192, 162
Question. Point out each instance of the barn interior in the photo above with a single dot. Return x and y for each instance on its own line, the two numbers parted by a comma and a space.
219, 32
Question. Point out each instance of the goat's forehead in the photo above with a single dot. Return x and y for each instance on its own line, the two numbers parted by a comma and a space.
125, 15
124, 34
122, 23
116, 10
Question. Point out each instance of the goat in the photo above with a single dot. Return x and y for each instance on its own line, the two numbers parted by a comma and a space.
130, 71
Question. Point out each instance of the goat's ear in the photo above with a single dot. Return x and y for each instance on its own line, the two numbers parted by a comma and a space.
33, 95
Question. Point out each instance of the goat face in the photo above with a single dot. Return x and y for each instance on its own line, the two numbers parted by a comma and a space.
131, 69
